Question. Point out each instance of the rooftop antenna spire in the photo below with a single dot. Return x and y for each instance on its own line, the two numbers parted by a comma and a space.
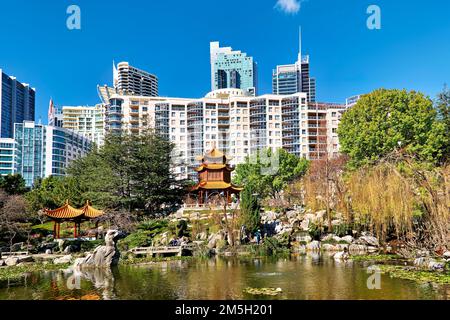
300, 44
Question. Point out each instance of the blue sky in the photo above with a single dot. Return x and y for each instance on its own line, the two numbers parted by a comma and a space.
171, 39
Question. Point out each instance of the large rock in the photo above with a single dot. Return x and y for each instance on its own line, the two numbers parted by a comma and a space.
368, 240
215, 238
11, 261
2, 263
63, 260
320, 215
329, 247
313, 246
27, 258
357, 248
348, 239
429, 264
342, 255
103, 256
446, 255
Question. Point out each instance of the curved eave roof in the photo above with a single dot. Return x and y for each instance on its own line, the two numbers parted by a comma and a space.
216, 185
69, 212
65, 212
214, 167
91, 212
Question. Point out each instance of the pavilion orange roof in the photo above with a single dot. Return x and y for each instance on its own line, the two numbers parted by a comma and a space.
213, 166
69, 212
216, 185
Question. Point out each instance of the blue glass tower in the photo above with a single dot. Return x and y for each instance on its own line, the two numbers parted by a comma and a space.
232, 69
17, 103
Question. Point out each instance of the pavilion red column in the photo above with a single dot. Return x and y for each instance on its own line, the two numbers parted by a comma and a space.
75, 235
54, 230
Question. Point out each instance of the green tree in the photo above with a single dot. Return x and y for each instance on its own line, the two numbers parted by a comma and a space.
250, 209
388, 119
442, 105
131, 172
52, 192
269, 173
13, 184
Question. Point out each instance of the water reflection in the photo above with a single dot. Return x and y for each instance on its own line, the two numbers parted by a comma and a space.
101, 279
303, 276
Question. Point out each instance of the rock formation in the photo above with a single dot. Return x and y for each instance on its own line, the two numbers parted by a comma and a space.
104, 256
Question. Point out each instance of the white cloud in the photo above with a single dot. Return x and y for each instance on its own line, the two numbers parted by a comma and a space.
289, 6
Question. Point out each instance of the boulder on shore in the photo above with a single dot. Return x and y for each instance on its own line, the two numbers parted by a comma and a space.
11, 261
429, 264
341, 255
2, 263
368, 240
104, 256
313, 246
63, 260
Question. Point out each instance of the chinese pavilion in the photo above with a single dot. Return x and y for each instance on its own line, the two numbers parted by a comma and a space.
214, 176
67, 213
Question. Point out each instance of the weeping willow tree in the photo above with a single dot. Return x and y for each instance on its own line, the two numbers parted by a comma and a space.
404, 200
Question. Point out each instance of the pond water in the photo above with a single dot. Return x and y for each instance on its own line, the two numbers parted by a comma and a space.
302, 277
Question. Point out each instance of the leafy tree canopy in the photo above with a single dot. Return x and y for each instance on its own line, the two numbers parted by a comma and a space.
270, 172
13, 184
388, 119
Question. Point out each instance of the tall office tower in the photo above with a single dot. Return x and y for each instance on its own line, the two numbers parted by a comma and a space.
132, 81
236, 123
41, 151
87, 121
232, 69
17, 103
293, 78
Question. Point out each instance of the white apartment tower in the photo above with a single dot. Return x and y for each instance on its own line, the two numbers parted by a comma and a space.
231, 120
133, 81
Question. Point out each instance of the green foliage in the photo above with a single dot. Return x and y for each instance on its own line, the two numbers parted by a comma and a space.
315, 231
410, 273
13, 184
250, 209
269, 173
53, 192
182, 227
154, 227
130, 172
442, 105
140, 238
388, 119
341, 229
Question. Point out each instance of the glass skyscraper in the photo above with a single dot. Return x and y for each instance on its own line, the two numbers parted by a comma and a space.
17, 103
41, 151
293, 78
232, 69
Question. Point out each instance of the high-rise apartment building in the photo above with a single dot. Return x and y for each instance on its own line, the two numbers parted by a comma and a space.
232, 69
41, 151
293, 78
17, 103
7, 156
133, 81
87, 121
229, 119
